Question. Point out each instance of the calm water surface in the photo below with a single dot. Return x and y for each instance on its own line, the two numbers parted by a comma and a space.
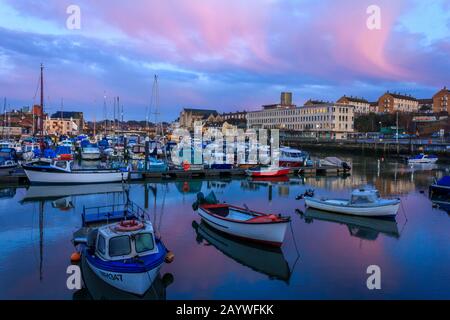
324, 256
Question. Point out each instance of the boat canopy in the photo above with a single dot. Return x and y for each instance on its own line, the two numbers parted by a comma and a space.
116, 245
363, 196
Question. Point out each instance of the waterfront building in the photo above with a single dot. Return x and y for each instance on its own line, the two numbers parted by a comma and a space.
441, 101
15, 132
393, 102
285, 102
373, 106
426, 105
362, 106
189, 116
61, 127
238, 115
76, 116
325, 120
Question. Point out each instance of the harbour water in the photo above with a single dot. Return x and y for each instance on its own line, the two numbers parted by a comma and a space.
325, 256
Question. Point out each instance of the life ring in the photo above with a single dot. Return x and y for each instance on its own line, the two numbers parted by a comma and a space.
129, 225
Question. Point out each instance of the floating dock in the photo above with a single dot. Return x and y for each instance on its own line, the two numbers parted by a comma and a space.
19, 176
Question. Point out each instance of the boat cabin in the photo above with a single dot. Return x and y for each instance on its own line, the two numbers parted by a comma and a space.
287, 152
363, 196
111, 244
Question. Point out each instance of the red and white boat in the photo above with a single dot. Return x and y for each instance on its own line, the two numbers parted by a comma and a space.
243, 222
271, 171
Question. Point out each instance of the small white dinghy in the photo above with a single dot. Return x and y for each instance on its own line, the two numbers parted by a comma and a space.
242, 222
363, 202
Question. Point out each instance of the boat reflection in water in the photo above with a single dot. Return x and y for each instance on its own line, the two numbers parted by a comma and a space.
49, 192
264, 259
7, 193
97, 289
361, 227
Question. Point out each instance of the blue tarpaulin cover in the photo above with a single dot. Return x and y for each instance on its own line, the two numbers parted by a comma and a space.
444, 181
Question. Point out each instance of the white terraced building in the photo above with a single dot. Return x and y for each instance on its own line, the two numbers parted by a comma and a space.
328, 120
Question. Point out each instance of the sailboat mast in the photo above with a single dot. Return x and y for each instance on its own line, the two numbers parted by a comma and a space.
118, 112
41, 119
4, 118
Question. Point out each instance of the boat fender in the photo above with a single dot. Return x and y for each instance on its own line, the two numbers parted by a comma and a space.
186, 165
129, 225
169, 257
75, 257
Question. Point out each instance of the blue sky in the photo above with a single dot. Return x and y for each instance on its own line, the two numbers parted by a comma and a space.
226, 55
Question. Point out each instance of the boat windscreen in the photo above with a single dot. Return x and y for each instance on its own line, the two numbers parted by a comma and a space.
362, 199
144, 242
119, 246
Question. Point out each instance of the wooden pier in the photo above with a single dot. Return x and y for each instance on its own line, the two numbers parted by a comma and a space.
19, 176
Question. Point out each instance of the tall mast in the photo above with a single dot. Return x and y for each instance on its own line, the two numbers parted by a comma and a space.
118, 112
41, 119
104, 113
4, 119
155, 102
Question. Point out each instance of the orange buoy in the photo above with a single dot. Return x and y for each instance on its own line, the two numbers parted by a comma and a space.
169, 257
75, 257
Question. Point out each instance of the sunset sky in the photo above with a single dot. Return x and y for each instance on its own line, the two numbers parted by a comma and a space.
219, 54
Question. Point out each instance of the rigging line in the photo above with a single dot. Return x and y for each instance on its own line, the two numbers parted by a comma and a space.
295, 245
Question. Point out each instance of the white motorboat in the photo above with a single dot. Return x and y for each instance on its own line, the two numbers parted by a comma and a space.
242, 222
335, 161
363, 202
292, 158
61, 172
7, 166
90, 153
423, 158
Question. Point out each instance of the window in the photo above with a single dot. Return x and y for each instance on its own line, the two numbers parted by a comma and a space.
119, 246
101, 244
144, 242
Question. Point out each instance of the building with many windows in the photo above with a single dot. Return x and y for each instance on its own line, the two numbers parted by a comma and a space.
327, 120
189, 116
441, 101
393, 102
61, 127
362, 106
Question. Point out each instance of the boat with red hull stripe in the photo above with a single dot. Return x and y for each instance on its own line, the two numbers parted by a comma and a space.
244, 223
267, 171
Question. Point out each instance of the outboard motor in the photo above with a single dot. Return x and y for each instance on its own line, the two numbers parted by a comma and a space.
345, 166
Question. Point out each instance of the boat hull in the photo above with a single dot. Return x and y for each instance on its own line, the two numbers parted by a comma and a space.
90, 156
271, 173
44, 177
136, 283
388, 210
291, 164
422, 161
268, 233
6, 170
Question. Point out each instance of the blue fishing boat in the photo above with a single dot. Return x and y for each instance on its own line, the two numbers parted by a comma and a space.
126, 254
440, 188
